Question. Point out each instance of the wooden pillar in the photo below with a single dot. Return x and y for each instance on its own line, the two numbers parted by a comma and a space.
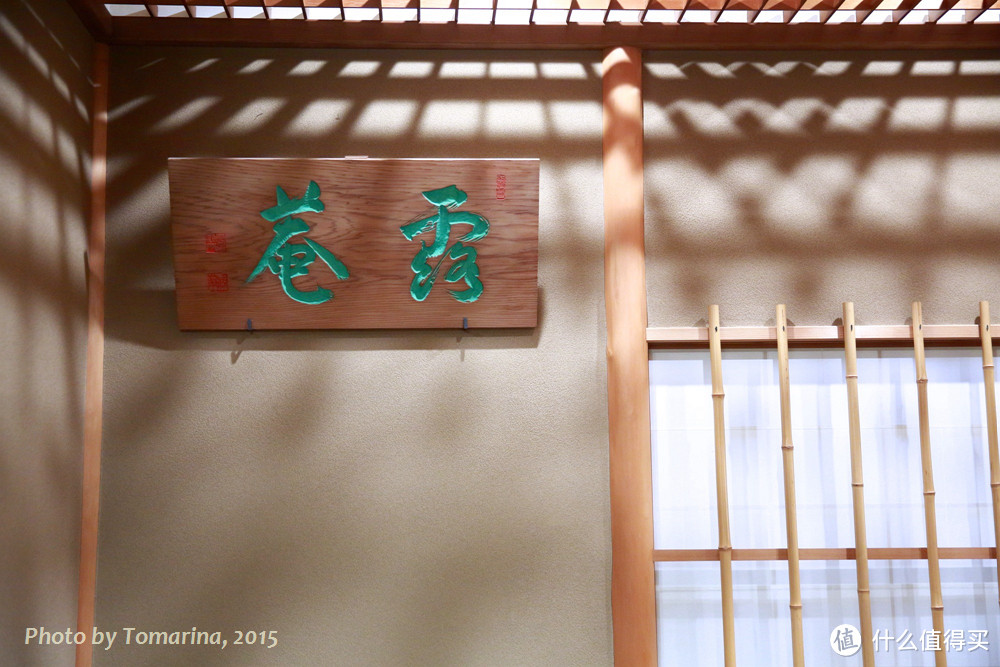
633, 602
94, 385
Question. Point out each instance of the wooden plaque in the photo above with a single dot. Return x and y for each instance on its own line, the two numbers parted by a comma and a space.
354, 243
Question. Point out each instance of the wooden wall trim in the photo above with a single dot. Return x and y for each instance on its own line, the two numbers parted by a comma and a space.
831, 554
94, 17
633, 602
94, 384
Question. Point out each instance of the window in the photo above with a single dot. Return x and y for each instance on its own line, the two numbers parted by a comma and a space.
689, 611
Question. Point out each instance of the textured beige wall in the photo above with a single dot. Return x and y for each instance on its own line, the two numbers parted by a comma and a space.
815, 178
44, 147
400, 498
441, 498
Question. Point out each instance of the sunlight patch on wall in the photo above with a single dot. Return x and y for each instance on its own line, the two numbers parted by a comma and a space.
318, 118
255, 66
575, 118
515, 119
188, 113
513, 70
565, 70
980, 113
933, 68
857, 115
307, 67
125, 108
359, 68
411, 69
918, 114
883, 68
256, 113
462, 70
449, 119
204, 64
385, 118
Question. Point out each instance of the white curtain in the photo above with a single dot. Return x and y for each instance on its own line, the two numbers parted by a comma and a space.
684, 498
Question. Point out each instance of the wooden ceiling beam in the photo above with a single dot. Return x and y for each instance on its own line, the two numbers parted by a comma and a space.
374, 34
94, 17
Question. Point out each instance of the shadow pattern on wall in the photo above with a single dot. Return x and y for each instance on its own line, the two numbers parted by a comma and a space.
311, 104
382, 498
815, 178
44, 158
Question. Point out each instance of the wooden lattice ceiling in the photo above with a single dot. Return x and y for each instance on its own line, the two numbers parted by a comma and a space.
654, 24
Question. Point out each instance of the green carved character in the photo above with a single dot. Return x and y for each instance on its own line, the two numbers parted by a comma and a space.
465, 267
291, 260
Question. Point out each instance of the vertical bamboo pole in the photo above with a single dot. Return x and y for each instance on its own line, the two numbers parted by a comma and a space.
858, 487
930, 513
722, 489
788, 468
633, 593
991, 419
94, 383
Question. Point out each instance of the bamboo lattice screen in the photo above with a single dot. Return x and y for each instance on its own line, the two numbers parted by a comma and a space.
848, 335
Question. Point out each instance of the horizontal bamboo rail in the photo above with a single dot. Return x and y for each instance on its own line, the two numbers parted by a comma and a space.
819, 336
832, 554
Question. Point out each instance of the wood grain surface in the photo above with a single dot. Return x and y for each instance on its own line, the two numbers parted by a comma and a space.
93, 399
219, 237
633, 586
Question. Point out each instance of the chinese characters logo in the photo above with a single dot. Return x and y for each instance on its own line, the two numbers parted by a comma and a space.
845, 640
464, 267
291, 260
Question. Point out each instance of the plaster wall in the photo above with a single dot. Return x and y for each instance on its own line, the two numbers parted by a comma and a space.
44, 193
375, 498
815, 178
